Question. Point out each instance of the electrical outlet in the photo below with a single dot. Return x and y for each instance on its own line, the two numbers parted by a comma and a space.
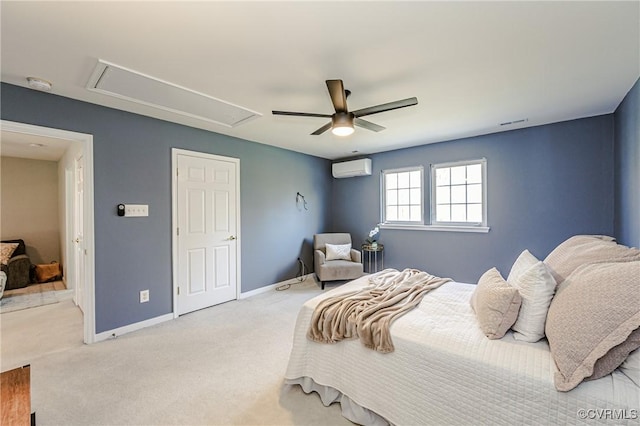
144, 296
136, 210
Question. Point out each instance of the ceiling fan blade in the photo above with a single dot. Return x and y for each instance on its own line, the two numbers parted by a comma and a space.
322, 129
385, 107
338, 96
368, 125
301, 114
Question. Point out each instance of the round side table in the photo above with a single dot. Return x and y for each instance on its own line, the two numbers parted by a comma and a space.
370, 257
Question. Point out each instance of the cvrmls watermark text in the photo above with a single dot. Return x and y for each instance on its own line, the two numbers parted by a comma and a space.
607, 414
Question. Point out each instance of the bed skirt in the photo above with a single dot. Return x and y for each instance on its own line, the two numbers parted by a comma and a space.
351, 410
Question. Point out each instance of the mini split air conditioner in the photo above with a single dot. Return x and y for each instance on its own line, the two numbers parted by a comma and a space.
352, 168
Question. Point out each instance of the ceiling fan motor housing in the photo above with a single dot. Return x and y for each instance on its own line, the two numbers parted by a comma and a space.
342, 119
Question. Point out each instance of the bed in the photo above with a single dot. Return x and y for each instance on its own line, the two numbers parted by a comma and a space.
444, 370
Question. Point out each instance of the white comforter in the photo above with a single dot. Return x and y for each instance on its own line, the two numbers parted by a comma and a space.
445, 371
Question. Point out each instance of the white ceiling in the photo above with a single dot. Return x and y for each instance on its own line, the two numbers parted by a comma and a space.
24, 145
472, 65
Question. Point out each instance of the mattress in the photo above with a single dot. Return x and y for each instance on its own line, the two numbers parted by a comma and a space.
445, 371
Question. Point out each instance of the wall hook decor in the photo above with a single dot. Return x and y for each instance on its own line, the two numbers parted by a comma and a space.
299, 197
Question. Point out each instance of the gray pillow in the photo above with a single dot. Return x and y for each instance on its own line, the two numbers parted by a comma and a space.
582, 249
593, 321
495, 303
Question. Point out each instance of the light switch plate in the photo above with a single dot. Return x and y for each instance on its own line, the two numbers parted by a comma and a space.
136, 210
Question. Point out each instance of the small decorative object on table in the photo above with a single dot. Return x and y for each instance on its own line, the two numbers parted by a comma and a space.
373, 237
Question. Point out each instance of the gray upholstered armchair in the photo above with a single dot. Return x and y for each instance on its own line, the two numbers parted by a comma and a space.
18, 267
328, 269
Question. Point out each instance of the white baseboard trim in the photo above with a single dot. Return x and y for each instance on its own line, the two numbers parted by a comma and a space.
273, 286
168, 317
132, 327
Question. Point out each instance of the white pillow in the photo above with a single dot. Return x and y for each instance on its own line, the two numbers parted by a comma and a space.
536, 286
338, 251
631, 366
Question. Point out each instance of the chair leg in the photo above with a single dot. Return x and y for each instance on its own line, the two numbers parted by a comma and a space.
322, 284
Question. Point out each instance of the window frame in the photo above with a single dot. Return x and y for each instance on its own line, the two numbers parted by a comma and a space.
433, 199
383, 199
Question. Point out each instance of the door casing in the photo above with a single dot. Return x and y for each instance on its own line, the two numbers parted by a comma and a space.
89, 328
175, 152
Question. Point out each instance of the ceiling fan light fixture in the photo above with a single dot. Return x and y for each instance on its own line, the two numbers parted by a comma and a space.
342, 124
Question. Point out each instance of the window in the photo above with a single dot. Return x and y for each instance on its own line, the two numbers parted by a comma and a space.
459, 193
402, 196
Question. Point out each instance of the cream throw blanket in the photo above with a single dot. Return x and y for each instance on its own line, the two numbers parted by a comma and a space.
368, 313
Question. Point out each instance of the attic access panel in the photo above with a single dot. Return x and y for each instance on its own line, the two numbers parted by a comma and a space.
123, 83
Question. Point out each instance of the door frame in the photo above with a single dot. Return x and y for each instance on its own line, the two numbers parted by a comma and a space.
78, 159
174, 218
89, 329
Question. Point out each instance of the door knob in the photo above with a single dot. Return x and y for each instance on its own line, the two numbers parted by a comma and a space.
231, 238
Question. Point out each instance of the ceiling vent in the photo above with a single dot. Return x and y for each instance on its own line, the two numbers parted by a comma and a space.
123, 83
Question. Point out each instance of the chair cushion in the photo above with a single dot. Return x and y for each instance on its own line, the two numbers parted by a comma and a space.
6, 252
21, 249
338, 251
340, 270
319, 240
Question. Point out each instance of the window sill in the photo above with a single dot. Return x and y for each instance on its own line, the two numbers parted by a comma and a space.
438, 228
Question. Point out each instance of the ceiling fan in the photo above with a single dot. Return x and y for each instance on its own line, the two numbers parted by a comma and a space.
343, 120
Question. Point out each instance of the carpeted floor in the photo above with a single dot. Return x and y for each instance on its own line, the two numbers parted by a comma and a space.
219, 366
34, 295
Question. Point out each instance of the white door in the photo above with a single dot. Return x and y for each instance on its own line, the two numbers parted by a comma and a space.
207, 231
78, 215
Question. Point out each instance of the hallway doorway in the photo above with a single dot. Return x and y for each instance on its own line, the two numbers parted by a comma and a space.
75, 183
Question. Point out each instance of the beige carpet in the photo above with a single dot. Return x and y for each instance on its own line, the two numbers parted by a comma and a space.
36, 288
218, 366
34, 295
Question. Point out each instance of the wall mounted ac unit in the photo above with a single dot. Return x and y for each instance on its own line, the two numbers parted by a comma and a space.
352, 168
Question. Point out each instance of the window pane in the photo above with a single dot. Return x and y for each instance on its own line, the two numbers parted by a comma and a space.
414, 196
392, 180
474, 173
403, 213
474, 193
458, 175
458, 213
443, 194
458, 194
414, 179
474, 213
442, 176
443, 213
403, 196
403, 180
392, 213
415, 213
392, 197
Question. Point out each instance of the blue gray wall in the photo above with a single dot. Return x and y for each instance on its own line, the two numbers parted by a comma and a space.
132, 161
627, 168
545, 184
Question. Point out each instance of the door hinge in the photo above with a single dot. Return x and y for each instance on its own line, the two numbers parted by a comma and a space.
178, 231
178, 291
177, 172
